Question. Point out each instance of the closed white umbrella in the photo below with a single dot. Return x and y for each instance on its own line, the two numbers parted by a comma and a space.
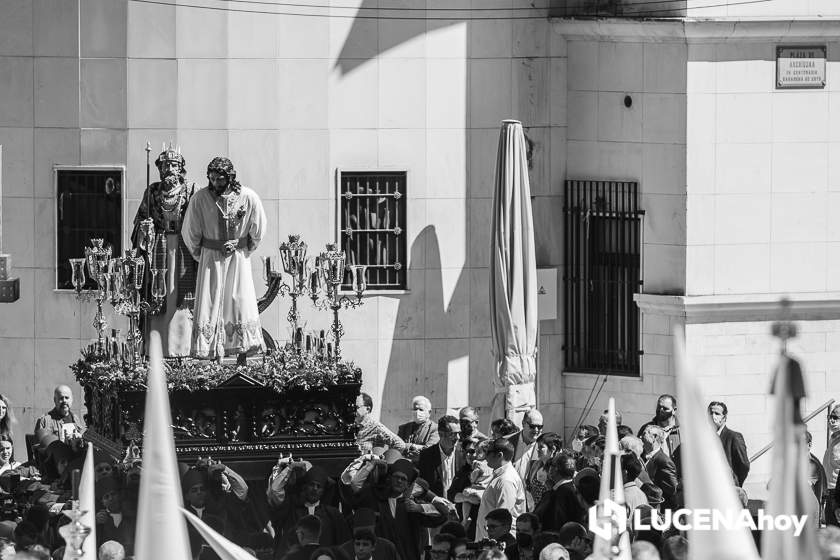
513, 279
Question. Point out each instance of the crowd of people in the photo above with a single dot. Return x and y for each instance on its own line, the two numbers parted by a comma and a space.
431, 490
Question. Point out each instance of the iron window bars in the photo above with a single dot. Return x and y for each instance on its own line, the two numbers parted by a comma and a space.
603, 226
372, 209
88, 204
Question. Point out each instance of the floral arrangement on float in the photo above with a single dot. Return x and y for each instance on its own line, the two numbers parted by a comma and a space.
285, 369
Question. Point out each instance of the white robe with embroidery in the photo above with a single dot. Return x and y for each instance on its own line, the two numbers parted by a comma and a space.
226, 320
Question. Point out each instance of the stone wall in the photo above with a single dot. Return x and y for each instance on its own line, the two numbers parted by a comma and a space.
290, 99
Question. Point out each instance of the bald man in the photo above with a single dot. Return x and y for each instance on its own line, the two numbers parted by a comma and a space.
60, 421
421, 432
525, 443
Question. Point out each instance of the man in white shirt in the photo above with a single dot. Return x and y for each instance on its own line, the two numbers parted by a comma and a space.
505, 490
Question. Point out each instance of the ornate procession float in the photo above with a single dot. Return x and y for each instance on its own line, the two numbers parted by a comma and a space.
249, 409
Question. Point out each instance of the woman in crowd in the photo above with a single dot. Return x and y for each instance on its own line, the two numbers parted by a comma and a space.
6, 417
539, 481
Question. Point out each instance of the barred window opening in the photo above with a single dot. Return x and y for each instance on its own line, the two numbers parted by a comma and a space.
88, 205
372, 226
603, 225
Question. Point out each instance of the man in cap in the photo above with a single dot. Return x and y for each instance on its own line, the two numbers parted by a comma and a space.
295, 490
223, 225
401, 517
157, 238
364, 519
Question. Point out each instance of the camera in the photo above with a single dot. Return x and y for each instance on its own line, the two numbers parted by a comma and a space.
9, 509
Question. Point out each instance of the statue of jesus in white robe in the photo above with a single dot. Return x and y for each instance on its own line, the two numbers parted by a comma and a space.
224, 223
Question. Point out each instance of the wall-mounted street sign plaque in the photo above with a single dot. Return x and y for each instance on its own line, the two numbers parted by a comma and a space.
800, 67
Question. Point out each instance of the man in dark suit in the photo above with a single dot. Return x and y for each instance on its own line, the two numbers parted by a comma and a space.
440, 463
659, 466
733, 442
400, 518
421, 432
299, 492
563, 502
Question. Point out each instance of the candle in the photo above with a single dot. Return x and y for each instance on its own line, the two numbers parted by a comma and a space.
77, 475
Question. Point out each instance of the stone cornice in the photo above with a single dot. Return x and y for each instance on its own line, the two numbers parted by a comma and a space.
819, 306
697, 30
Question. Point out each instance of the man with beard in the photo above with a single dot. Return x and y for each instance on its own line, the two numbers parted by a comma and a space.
159, 218
60, 421
665, 418
223, 225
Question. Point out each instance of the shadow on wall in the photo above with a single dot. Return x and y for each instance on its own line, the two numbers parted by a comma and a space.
406, 24
428, 331
424, 342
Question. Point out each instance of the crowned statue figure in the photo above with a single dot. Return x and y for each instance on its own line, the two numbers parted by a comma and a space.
224, 224
157, 237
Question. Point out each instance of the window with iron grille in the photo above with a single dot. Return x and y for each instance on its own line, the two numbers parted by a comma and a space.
88, 205
603, 226
372, 217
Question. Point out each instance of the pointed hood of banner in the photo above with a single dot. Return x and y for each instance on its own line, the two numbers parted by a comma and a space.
789, 490
87, 504
611, 492
707, 477
220, 545
161, 530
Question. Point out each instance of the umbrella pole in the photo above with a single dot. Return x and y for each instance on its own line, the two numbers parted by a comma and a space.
537, 375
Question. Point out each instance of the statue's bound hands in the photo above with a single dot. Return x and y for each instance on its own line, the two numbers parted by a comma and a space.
230, 246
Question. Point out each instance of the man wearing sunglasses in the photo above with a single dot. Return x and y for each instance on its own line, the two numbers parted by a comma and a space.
525, 443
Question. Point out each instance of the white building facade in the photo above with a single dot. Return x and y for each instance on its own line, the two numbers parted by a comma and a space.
737, 178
